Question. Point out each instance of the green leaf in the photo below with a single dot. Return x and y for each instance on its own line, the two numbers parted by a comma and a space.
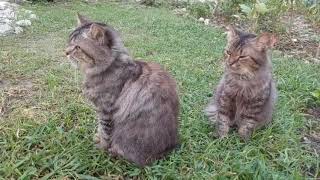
246, 9
316, 94
261, 8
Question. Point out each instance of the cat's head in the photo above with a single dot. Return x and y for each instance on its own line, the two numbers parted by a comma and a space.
247, 53
92, 44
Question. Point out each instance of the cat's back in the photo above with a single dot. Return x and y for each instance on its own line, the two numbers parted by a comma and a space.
146, 120
154, 90
157, 78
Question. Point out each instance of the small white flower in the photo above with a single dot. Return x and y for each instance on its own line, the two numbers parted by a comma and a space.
24, 23
206, 21
18, 30
33, 16
28, 12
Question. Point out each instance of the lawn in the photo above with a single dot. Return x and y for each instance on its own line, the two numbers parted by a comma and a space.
47, 126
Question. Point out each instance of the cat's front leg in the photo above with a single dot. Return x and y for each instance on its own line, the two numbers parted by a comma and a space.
102, 138
246, 128
249, 118
223, 125
224, 115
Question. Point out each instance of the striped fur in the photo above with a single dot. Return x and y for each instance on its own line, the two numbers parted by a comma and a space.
136, 102
246, 94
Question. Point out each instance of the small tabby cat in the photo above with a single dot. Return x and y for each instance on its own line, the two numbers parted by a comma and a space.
136, 102
246, 94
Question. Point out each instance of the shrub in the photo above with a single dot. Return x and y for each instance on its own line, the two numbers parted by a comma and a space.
259, 15
199, 9
150, 2
229, 8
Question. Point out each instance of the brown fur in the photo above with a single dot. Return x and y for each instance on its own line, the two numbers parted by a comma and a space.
136, 102
246, 94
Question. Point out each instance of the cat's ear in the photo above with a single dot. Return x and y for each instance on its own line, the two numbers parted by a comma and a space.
82, 20
232, 33
97, 33
266, 40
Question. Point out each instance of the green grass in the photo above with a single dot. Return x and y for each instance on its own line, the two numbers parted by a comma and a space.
47, 128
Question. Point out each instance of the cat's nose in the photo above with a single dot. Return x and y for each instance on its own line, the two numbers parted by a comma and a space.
68, 50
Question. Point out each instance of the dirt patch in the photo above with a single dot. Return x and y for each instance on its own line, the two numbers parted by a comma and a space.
313, 140
311, 135
313, 112
3, 84
12, 94
301, 39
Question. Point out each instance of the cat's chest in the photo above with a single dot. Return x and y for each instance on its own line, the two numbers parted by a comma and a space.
91, 95
246, 91
101, 95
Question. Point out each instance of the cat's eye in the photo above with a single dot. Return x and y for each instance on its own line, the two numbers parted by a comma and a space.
69, 50
247, 58
242, 58
228, 52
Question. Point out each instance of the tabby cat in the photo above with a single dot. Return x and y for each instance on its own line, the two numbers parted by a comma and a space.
246, 94
136, 102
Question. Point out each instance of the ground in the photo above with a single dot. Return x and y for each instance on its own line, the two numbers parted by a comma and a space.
47, 126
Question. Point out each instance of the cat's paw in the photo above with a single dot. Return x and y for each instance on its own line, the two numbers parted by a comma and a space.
96, 138
100, 143
115, 151
112, 153
99, 146
216, 135
245, 133
222, 131
222, 135
97, 141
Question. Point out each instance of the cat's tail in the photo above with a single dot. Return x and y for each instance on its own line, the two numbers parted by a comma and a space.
211, 112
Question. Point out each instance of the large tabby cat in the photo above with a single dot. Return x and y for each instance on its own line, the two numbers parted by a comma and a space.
246, 94
136, 102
